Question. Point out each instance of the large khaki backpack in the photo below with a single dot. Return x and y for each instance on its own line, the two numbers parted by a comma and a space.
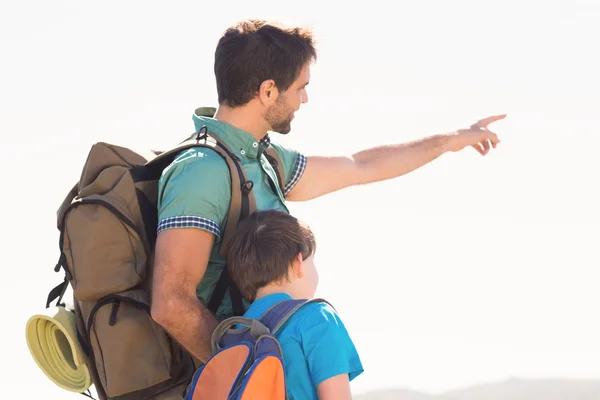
107, 227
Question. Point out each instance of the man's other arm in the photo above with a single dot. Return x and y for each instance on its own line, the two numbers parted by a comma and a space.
180, 263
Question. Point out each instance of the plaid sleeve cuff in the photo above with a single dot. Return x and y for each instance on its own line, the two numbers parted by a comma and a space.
297, 174
189, 221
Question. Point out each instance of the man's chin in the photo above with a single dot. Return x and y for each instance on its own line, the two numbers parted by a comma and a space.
283, 130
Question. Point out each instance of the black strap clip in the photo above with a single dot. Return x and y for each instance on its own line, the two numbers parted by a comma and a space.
247, 187
202, 133
61, 264
266, 140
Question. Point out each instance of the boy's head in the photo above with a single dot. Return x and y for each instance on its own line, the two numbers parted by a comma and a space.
273, 247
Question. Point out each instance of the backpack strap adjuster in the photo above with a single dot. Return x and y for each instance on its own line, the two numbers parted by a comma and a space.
202, 133
247, 187
61, 264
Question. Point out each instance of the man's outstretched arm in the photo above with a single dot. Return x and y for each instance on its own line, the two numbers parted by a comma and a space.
327, 174
181, 260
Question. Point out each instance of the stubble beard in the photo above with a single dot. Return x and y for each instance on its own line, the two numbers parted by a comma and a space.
279, 117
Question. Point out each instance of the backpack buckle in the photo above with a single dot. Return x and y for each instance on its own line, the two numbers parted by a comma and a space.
202, 133
61, 264
266, 140
247, 187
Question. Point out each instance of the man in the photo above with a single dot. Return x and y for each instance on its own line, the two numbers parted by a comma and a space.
262, 72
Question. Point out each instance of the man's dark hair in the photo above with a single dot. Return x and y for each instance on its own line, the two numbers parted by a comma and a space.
263, 247
253, 51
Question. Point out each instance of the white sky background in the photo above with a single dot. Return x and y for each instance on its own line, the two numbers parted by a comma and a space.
468, 270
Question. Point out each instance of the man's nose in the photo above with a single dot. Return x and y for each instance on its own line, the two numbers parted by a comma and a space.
304, 97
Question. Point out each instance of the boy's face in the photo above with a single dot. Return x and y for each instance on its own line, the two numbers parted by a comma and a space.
310, 280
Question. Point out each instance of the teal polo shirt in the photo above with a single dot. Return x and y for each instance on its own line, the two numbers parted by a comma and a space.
194, 191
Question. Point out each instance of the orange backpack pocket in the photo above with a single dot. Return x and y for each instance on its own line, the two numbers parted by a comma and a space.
217, 378
265, 380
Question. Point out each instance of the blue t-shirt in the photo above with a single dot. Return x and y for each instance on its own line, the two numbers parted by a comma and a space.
315, 345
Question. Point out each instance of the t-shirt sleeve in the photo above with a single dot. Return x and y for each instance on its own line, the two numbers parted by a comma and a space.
294, 164
326, 344
194, 192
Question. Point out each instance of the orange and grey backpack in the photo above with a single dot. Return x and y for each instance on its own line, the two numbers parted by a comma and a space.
107, 225
247, 362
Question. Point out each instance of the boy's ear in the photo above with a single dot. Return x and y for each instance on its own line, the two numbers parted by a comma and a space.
298, 266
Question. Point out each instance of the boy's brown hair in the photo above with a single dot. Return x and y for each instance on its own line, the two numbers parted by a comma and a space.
254, 51
263, 247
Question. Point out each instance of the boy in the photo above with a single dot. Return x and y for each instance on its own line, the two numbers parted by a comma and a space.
271, 259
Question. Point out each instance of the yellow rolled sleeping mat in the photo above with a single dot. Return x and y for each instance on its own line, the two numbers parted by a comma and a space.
52, 341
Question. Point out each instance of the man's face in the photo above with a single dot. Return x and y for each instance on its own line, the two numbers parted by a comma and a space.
281, 114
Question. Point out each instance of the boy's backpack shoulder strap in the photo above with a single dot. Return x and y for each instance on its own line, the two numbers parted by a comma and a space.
276, 316
268, 324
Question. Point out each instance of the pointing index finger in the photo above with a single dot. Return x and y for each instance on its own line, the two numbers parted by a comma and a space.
486, 121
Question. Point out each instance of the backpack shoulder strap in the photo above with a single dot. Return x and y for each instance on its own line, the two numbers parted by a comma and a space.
277, 165
270, 153
275, 317
243, 202
251, 329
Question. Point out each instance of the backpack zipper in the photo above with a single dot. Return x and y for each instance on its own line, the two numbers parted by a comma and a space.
106, 204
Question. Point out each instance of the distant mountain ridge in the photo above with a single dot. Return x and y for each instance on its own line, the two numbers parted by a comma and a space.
512, 389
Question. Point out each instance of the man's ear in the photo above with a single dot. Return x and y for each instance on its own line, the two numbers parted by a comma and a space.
298, 266
268, 92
